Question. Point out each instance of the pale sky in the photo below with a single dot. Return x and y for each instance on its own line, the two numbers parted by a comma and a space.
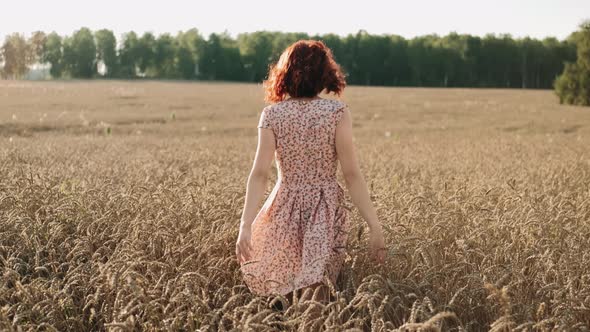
534, 18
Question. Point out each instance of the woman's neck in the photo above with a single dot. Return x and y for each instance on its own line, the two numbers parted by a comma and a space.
305, 98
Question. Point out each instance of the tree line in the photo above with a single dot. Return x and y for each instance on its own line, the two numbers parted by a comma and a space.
454, 60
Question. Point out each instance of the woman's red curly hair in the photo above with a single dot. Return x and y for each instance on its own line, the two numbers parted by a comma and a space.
304, 69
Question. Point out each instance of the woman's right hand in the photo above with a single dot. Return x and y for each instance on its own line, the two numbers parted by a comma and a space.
377, 249
244, 245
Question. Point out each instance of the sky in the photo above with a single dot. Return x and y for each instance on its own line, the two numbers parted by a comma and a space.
520, 18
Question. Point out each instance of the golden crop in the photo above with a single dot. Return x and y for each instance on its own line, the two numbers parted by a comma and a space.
120, 203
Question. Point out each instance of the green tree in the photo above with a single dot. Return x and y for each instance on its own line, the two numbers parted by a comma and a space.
573, 85
106, 50
420, 50
52, 53
256, 50
80, 54
144, 54
187, 53
129, 55
165, 57
36, 45
16, 55
220, 59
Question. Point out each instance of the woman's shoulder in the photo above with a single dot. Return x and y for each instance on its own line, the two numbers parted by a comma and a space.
274, 106
269, 109
334, 105
338, 104
331, 104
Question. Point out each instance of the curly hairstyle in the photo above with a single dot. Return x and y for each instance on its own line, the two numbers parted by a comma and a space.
304, 69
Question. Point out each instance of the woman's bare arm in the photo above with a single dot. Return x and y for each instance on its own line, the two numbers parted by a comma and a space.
257, 181
258, 178
355, 181
357, 187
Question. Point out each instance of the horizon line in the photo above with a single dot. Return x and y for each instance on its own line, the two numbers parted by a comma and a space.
235, 35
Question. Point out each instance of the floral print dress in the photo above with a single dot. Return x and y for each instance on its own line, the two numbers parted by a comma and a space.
299, 235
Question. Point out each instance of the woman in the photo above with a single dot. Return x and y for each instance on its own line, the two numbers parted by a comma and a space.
298, 238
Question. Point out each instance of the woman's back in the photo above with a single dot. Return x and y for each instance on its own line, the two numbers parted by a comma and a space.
305, 139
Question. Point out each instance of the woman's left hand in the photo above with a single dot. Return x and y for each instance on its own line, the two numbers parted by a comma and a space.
377, 249
244, 245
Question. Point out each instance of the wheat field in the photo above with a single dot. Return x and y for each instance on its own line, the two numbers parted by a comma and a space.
120, 204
